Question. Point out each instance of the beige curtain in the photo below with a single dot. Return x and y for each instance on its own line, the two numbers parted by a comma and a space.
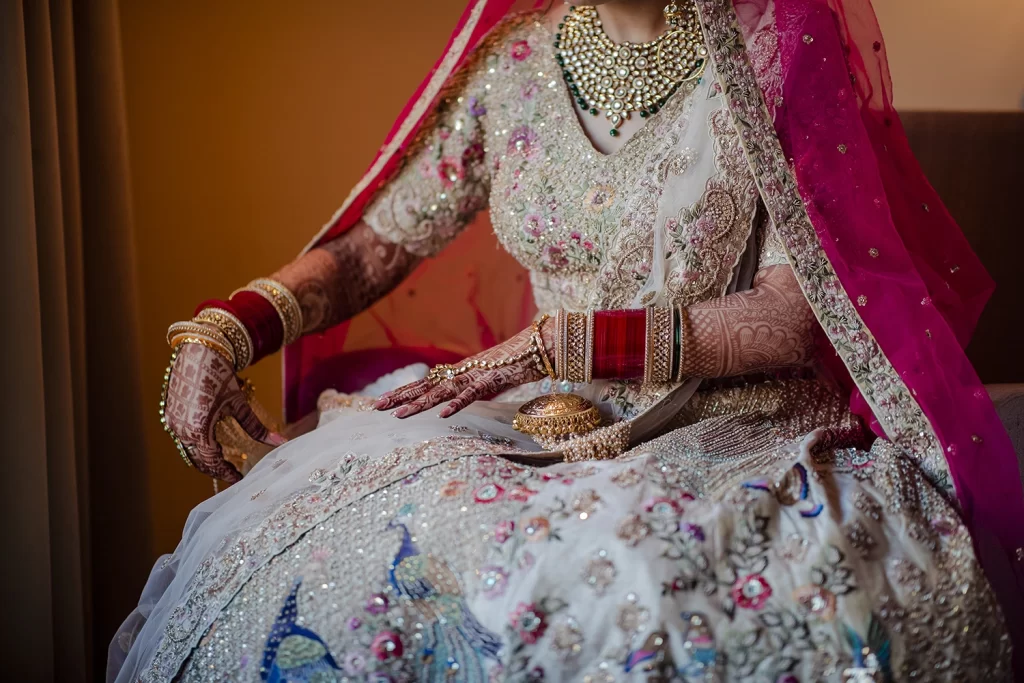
75, 544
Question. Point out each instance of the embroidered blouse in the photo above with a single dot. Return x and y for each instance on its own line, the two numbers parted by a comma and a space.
505, 135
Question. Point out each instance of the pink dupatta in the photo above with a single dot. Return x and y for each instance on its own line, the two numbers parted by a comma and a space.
894, 284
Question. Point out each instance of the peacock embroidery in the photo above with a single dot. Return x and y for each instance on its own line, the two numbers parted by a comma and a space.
456, 645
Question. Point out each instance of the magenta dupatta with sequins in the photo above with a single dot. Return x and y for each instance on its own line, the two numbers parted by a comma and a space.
894, 283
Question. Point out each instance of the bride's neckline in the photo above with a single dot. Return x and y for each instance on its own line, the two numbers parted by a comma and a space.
546, 33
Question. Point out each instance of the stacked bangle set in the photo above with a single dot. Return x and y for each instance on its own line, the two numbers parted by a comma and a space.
645, 344
254, 322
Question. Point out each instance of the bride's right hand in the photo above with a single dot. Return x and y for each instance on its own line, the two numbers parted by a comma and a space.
202, 390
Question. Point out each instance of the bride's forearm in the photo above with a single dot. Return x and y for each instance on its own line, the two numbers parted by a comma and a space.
344, 277
768, 326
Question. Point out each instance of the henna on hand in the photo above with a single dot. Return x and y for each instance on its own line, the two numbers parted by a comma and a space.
201, 390
768, 326
470, 386
337, 280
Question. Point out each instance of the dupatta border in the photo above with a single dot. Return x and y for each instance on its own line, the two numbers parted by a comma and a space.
888, 396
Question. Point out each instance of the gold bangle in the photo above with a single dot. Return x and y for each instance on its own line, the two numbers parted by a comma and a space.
658, 346
588, 367
202, 340
684, 335
538, 339
560, 335
576, 347
284, 302
234, 330
189, 327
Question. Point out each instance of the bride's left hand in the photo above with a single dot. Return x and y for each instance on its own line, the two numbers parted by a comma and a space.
473, 385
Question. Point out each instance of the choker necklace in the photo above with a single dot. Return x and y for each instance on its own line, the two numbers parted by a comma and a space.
622, 78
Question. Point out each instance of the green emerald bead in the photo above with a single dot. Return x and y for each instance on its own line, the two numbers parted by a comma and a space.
614, 132
643, 114
593, 111
580, 101
653, 109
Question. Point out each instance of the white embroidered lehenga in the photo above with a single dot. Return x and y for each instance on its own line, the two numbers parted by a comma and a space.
747, 534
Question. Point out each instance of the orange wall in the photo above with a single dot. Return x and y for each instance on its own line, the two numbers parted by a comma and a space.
248, 123
250, 120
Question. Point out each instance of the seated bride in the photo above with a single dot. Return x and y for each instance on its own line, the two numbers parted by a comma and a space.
738, 441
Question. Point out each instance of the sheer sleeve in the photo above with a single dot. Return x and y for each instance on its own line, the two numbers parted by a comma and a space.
444, 180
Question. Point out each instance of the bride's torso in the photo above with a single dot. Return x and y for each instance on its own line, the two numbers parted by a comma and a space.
666, 218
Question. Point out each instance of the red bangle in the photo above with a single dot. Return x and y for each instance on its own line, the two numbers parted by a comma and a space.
260, 318
619, 344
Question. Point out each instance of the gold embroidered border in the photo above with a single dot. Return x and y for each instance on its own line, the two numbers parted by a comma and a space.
890, 399
416, 114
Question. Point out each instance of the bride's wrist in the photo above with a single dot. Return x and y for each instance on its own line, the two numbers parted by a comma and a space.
643, 344
252, 323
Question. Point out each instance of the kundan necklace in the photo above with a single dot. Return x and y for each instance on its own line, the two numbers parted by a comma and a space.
619, 79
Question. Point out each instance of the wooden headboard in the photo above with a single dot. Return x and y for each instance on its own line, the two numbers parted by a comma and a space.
976, 163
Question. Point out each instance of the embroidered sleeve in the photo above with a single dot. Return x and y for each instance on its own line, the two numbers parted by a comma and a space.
769, 244
443, 181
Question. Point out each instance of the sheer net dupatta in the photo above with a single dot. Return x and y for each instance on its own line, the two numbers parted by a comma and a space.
891, 276
470, 297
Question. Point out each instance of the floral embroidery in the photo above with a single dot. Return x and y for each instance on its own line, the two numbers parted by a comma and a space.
504, 531
586, 503
599, 198
520, 50
817, 601
568, 639
751, 592
524, 142
599, 572
529, 622
453, 488
710, 235
377, 604
386, 645
535, 529
493, 581
633, 529
488, 493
